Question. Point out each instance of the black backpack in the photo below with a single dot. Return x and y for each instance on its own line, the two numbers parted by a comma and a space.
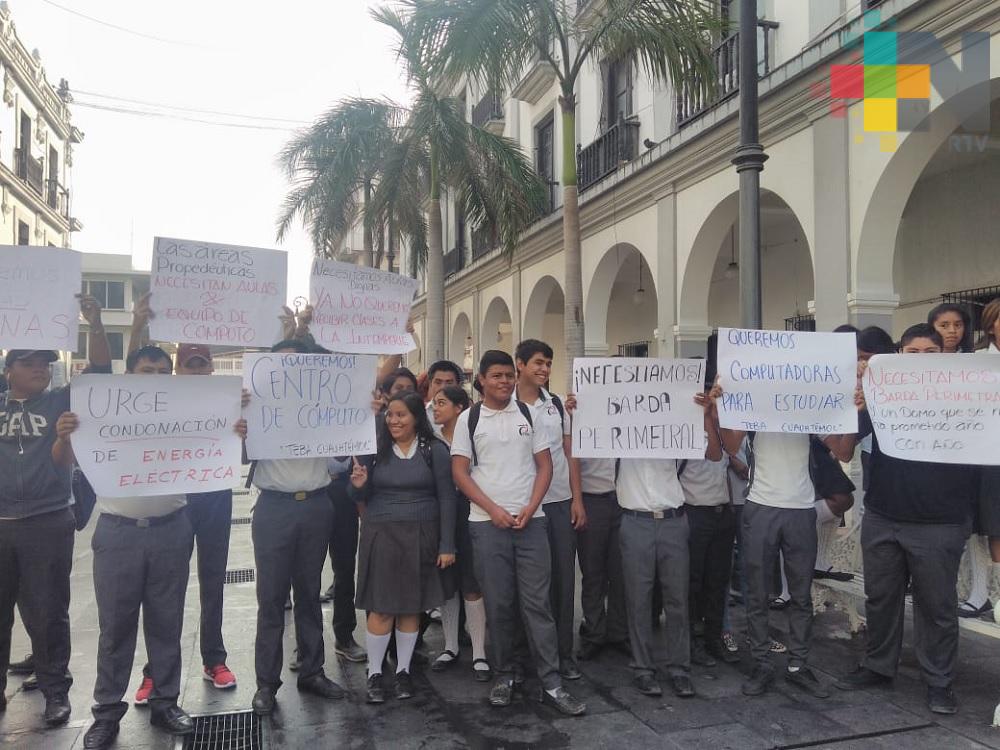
476, 410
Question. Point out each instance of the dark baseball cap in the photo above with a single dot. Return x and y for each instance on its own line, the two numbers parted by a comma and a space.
15, 354
187, 352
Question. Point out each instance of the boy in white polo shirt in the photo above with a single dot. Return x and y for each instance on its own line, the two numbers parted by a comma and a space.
503, 466
563, 503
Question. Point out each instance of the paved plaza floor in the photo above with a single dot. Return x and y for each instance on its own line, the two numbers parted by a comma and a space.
450, 710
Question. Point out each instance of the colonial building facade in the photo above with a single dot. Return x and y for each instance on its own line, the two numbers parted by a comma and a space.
857, 226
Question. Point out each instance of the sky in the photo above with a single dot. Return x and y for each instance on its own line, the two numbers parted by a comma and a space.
138, 177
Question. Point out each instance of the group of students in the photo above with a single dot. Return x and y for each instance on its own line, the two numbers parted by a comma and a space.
480, 510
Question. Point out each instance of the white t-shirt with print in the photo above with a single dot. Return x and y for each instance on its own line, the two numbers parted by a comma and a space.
506, 446
553, 428
649, 484
780, 475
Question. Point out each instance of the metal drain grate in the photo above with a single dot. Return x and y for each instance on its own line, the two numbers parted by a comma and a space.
238, 731
242, 521
240, 575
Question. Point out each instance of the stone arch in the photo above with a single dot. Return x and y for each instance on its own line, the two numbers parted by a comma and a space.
461, 334
543, 319
497, 330
603, 303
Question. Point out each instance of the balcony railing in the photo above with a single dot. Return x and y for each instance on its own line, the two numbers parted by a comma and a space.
454, 259
634, 349
617, 145
483, 241
801, 323
57, 197
488, 112
551, 192
693, 99
30, 170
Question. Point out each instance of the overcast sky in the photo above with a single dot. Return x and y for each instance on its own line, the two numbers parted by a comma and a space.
136, 177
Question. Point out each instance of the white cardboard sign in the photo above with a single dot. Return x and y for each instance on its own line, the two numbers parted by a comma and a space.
788, 381
638, 408
147, 435
309, 405
360, 310
208, 293
38, 304
939, 408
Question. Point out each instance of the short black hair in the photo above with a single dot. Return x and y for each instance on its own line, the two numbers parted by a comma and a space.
965, 345
457, 395
446, 365
150, 352
530, 347
874, 340
921, 331
392, 377
299, 347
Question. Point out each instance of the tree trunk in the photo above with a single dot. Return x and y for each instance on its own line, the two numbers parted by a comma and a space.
368, 258
573, 291
434, 333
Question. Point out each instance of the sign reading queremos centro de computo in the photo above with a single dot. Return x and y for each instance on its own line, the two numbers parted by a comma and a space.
145, 435
788, 381
39, 308
209, 293
638, 408
309, 405
360, 310
938, 408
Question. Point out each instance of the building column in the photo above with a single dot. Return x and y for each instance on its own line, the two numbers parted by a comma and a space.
515, 309
691, 340
831, 192
477, 326
667, 276
873, 308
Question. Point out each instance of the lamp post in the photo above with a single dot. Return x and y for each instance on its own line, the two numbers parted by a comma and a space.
749, 161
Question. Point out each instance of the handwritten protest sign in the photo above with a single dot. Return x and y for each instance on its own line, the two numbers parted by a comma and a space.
788, 381
206, 293
38, 305
638, 408
360, 310
940, 408
309, 405
145, 435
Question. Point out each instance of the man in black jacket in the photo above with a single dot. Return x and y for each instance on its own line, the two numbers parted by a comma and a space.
36, 520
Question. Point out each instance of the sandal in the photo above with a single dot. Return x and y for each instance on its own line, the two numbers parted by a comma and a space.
482, 675
441, 663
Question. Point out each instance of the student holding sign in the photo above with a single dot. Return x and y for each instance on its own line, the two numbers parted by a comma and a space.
563, 503
503, 465
36, 522
918, 516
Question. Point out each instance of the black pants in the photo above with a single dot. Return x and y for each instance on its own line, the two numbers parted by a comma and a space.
602, 589
929, 553
343, 560
713, 529
211, 516
290, 540
36, 557
139, 567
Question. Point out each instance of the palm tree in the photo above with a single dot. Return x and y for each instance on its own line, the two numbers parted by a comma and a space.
334, 167
494, 41
490, 178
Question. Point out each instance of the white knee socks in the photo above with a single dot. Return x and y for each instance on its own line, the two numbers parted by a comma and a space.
475, 626
826, 526
979, 566
377, 646
405, 643
449, 623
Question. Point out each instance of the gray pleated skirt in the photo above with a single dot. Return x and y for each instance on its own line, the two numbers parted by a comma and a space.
397, 567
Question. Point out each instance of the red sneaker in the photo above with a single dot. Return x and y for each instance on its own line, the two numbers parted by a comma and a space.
142, 694
220, 676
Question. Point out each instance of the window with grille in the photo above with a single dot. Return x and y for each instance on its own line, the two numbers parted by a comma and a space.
634, 349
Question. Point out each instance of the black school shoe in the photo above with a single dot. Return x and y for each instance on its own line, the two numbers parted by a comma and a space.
759, 681
375, 692
502, 692
861, 678
404, 686
101, 735
25, 666
647, 685
805, 678
564, 702
57, 710
941, 700
172, 719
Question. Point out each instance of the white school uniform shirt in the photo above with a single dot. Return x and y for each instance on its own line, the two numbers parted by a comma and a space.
649, 484
597, 475
738, 486
291, 474
553, 428
141, 507
506, 446
706, 482
779, 475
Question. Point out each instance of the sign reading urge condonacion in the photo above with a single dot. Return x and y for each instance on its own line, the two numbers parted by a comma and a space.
943, 408
638, 408
144, 435
788, 381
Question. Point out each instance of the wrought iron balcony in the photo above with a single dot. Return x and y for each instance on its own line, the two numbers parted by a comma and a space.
57, 197
489, 114
454, 260
483, 242
30, 170
694, 100
617, 145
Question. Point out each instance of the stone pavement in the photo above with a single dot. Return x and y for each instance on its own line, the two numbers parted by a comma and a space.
450, 710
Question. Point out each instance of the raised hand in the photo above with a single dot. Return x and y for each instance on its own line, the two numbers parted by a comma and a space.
90, 308
359, 474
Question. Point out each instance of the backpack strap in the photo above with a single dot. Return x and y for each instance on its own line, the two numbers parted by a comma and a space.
557, 402
474, 412
526, 411
253, 470
618, 469
426, 449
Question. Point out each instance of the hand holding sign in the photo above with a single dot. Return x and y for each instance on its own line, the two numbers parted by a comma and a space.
359, 474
